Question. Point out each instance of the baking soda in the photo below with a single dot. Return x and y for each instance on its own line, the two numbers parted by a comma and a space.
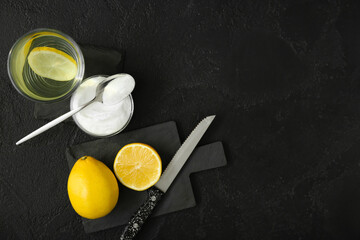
102, 119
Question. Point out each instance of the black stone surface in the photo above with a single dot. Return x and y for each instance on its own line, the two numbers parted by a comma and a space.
282, 77
164, 138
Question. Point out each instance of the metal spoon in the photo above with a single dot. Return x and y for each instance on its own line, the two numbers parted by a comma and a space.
97, 98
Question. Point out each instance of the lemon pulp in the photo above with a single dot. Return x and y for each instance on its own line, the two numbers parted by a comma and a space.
138, 166
52, 63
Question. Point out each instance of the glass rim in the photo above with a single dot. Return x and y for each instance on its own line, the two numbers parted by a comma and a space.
79, 75
108, 135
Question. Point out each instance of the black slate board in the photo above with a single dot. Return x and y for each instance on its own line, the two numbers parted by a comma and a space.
165, 139
98, 60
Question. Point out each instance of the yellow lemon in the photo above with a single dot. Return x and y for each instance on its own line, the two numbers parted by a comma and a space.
92, 188
52, 63
137, 166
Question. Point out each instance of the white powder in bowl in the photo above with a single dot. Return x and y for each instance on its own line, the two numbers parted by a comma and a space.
99, 119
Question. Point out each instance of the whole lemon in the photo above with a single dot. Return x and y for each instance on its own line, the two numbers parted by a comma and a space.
92, 188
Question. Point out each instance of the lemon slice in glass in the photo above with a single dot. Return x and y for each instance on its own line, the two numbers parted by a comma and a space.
51, 63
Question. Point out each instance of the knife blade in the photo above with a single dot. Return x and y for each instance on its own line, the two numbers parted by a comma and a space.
156, 192
183, 154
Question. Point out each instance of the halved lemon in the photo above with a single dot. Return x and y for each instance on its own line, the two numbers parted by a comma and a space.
52, 63
137, 166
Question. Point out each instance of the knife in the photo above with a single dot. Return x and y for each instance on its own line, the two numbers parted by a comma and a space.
173, 168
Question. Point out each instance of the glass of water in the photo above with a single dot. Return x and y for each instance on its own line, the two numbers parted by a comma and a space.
45, 65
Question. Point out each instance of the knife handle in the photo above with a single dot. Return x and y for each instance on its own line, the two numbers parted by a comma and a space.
139, 218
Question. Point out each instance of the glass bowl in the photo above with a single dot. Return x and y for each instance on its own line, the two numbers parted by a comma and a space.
97, 135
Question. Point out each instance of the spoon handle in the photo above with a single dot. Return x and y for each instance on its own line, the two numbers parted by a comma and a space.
51, 124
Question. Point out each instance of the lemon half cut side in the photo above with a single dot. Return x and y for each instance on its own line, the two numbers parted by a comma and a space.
138, 166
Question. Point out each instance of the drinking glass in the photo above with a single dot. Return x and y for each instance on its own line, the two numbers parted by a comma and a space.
32, 76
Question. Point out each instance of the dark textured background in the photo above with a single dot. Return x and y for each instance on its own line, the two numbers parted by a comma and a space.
282, 77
